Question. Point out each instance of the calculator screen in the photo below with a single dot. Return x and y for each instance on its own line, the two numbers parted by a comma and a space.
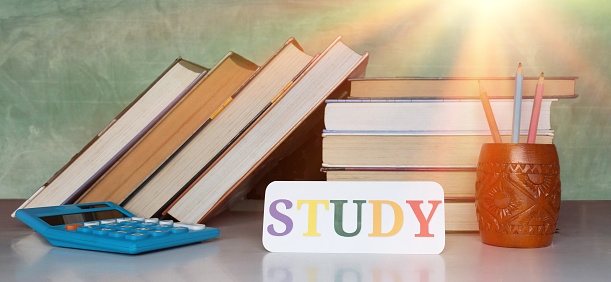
62, 219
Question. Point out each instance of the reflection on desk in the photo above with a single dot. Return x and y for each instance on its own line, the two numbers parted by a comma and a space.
69, 264
352, 267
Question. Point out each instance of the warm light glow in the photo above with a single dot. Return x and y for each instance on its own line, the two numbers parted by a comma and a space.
474, 38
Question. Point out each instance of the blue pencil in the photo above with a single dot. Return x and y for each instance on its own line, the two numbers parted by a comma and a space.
517, 106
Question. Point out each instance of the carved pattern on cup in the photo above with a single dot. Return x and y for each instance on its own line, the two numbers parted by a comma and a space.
516, 198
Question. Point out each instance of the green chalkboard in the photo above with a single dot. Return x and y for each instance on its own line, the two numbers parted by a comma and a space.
68, 67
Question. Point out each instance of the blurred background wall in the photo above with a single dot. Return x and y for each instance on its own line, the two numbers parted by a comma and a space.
68, 67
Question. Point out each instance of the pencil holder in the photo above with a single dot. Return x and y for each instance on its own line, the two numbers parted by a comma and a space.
517, 194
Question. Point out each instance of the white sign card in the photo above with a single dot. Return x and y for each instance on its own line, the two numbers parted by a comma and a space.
354, 217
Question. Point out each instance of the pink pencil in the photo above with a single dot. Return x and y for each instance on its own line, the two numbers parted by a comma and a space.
534, 119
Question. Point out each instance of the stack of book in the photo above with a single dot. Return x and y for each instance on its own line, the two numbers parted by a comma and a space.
196, 137
428, 129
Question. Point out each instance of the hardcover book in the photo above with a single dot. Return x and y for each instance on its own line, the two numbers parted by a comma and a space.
192, 112
206, 146
118, 136
428, 115
228, 178
457, 87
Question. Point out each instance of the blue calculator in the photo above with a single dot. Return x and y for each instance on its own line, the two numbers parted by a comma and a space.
108, 227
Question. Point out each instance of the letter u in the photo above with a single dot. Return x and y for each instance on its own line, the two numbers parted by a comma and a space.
339, 217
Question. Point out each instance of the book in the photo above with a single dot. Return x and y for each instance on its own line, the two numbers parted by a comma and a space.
191, 113
457, 87
458, 185
421, 149
427, 115
118, 136
457, 182
460, 216
207, 145
428, 129
228, 179
297, 159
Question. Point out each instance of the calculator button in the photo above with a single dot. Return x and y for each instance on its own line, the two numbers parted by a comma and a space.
138, 218
161, 227
146, 224
142, 229
136, 236
84, 229
72, 226
129, 222
119, 220
118, 234
110, 225
191, 226
91, 223
126, 227
166, 223
102, 231
152, 220
178, 230
159, 233
107, 221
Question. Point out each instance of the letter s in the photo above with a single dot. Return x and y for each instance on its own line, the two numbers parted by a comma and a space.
273, 211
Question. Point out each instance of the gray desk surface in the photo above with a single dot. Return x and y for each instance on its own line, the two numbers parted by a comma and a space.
581, 251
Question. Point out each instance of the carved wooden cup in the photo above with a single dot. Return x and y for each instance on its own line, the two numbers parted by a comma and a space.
517, 194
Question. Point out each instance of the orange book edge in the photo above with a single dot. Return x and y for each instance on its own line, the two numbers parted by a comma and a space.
185, 190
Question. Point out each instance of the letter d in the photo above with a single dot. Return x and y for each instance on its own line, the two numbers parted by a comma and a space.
377, 218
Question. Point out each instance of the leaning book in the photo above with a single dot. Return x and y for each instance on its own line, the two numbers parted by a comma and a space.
118, 136
228, 179
208, 144
189, 115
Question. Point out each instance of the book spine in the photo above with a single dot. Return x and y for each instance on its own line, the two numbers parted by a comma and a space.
326, 168
419, 100
327, 132
461, 78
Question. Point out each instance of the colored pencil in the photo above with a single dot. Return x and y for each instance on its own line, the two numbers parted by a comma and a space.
534, 118
517, 106
496, 136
